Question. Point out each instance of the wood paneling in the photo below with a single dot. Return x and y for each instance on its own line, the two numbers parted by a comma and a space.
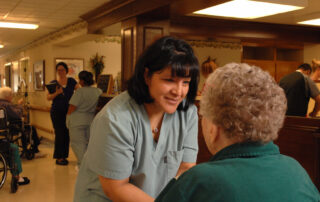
300, 139
284, 68
137, 33
127, 55
105, 9
127, 11
190, 27
268, 66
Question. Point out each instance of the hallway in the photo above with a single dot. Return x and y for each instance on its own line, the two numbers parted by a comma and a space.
49, 182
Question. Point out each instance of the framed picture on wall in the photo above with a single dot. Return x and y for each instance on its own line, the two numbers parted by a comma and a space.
75, 65
38, 75
7, 75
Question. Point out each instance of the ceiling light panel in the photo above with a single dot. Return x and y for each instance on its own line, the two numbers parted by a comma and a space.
249, 9
311, 22
4, 24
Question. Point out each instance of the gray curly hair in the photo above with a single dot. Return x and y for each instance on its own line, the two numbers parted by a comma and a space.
245, 102
5, 93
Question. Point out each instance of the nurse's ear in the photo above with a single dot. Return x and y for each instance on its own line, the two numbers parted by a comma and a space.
146, 76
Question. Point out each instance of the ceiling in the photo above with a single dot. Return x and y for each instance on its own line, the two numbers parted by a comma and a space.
52, 15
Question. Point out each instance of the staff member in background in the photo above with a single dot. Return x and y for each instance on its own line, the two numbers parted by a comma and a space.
148, 134
315, 76
59, 108
298, 88
81, 111
242, 111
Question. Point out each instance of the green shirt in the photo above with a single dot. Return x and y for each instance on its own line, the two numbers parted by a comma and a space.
244, 173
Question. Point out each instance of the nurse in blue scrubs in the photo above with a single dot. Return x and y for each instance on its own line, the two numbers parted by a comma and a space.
147, 135
82, 106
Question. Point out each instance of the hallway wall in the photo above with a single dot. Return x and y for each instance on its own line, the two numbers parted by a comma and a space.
109, 46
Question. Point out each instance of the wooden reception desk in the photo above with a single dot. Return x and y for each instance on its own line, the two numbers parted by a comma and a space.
300, 139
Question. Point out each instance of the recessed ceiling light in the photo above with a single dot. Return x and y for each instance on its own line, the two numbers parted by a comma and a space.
5, 24
311, 22
250, 9
1, 46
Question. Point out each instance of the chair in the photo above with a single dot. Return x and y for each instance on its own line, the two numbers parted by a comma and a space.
6, 157
20, 134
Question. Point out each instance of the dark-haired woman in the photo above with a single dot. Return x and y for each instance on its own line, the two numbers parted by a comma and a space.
147, 135
59, 108
81, 111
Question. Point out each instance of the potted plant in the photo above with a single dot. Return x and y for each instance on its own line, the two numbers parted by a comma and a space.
97, 64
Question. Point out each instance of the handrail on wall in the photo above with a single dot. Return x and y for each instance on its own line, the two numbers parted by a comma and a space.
39, 108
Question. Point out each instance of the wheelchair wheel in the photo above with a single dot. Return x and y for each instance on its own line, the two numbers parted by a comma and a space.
29, 154
3, 170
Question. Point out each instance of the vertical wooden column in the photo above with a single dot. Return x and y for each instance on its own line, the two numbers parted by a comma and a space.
136, 34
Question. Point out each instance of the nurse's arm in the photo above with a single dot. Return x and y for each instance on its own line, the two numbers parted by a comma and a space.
184, 167
122, 190
71, 108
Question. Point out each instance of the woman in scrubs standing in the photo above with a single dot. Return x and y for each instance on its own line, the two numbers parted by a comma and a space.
60, 103
147, 135
81, 111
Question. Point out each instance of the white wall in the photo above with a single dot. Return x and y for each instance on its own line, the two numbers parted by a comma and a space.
311, 52
48, 51
223, 56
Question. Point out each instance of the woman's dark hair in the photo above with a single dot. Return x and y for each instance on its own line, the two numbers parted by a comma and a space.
165, 52
86, 77
64, 65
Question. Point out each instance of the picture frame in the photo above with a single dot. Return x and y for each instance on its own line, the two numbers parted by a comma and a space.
39, 75
105, 83
75, 65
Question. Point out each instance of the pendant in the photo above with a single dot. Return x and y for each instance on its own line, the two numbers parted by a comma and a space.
155, 130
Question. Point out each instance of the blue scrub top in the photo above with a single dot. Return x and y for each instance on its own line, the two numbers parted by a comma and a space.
122, 145
85, 99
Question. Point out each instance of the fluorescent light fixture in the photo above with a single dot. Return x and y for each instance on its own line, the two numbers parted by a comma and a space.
4, 24
251, 9
1, 46
311, 22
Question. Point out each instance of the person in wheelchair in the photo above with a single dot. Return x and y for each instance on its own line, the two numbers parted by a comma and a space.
14, 115
16, 158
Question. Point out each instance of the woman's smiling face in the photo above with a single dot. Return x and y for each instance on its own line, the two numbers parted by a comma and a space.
167, 91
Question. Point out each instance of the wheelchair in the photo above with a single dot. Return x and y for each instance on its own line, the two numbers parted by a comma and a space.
7, 164
21, 134
6, 156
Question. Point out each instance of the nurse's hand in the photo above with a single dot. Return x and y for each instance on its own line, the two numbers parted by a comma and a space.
59, 90
115, 190
183, 168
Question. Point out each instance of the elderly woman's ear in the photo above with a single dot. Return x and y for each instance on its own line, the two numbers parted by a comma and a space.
211, 133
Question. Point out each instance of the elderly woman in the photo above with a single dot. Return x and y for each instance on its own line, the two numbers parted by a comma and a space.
14, 113
243, 109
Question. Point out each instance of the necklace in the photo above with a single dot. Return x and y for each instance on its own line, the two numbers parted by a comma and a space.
155, 130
